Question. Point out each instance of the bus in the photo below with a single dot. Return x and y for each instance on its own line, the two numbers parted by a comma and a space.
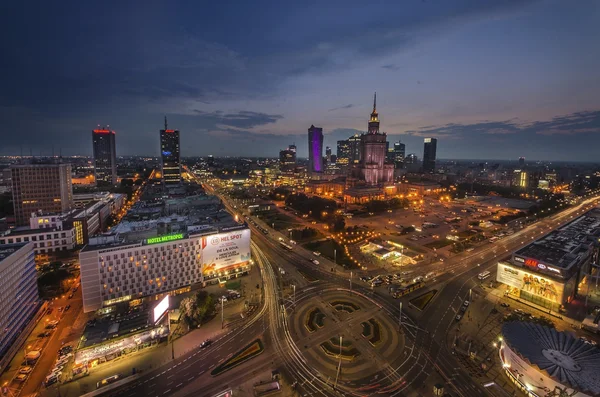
408, 289
108, 381
484, 275
285, 246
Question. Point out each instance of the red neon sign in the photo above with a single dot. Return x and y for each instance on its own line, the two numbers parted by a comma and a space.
103, 132
169, 130
531, 263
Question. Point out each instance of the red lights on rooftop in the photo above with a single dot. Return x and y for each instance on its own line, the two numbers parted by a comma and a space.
103, 131
169, 130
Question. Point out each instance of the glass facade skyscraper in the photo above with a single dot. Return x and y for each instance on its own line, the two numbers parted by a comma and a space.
170, 155
105, 156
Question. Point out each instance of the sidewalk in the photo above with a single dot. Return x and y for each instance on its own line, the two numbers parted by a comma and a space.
497, 294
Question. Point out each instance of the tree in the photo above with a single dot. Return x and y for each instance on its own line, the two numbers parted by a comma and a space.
339, 224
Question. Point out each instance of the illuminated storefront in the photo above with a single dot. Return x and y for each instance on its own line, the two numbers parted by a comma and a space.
534, 287
111, 349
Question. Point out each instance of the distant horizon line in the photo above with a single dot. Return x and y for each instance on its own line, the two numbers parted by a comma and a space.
275, 158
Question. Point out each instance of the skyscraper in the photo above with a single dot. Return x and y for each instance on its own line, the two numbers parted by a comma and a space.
170, 154
105, 156
373, 168
399, 151
521, 162
287, 157
355, 149
429, 152
343, 152
45, 187
315, 149
328, 154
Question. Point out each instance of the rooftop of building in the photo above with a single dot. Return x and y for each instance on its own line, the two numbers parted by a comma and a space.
503, 202
118, 324
40, 165
116, 241
26, 230
561, 356
7, 250
561, 247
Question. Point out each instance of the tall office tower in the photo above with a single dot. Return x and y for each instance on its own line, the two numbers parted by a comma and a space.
287, 157
315, 149
373, 167
521, 162
18, 283
105, 156
45, 187
355, 142
328, 154
210, 160
411, 159
429, 151
170, 154
343, 152
389, 153
399, 151
520, 178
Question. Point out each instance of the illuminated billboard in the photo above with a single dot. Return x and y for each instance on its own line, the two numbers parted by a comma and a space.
161, 308
533, 283
164, 239
225, 250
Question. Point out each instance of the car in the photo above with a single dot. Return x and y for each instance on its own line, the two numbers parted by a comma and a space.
223, 299
25, 370
50, 380
44, 334
49, 312
463, 308
206, 343
314, 261
21, 378
458, 317
504, 304
466, 303
67, 308
60, 309
316, 253
70, 295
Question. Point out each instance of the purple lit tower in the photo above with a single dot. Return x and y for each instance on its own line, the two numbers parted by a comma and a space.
315, 149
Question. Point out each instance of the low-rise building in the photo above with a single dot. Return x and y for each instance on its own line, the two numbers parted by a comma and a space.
548, 271
47, 242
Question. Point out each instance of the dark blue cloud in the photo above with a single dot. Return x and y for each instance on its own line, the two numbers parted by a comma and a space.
249, 66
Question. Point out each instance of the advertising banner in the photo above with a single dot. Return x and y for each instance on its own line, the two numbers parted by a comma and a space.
533, 283
225, 250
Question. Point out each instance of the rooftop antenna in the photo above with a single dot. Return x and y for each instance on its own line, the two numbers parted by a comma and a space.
165, 123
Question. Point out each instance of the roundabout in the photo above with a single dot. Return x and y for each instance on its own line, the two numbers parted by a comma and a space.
346, 337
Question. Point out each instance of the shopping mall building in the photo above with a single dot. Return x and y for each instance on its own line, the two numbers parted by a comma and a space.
548, 271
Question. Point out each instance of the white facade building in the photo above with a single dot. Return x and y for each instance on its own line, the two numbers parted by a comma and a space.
19, 297
116, 272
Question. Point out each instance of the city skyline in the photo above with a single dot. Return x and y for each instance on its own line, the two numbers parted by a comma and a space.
265, 87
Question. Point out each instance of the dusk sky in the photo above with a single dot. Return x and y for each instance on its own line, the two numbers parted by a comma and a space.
489, 78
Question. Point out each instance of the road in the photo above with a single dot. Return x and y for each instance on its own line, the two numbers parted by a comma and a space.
425, 334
